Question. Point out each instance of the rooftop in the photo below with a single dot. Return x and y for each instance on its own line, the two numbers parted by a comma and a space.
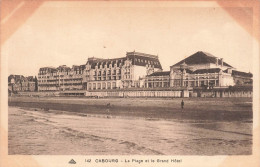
141, 54
201, 58
137, 58
20, 78
162, 73
210, 70
240, 73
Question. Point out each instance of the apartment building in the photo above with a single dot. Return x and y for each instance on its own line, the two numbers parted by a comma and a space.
61, 78
120, 73
97, 73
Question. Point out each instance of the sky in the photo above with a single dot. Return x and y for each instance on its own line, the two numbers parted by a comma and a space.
67, 33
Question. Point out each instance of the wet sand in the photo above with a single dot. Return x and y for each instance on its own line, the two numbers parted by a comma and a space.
61, 132
195, 109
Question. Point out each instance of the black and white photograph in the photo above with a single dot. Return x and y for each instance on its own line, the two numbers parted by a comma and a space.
111, 79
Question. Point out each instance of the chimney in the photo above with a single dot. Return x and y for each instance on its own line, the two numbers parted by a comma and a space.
216, 61
221, 62
229, 71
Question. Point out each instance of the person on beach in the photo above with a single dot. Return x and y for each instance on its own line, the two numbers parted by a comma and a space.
182, 105
108, 107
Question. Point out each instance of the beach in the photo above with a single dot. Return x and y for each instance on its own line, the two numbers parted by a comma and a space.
80, 126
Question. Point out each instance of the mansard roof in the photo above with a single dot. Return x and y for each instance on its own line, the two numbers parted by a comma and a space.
79, 67
107, 62
43, 68
201, 58
240, 73
49, 69
64, 68
142, 59
162, 73
137, 58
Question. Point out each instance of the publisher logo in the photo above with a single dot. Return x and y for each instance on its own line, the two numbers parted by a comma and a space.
72, 161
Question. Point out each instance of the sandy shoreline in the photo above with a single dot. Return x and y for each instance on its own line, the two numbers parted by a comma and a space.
50, 133
79, 126
212, 109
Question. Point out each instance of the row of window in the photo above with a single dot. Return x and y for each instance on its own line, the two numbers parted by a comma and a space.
106, 66
57, 74
99, 78
196, 83
108, 73
158, 79
146, 61
61, 81
158, 84
96, 86
55, 84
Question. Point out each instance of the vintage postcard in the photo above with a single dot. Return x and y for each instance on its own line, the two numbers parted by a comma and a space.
129, 83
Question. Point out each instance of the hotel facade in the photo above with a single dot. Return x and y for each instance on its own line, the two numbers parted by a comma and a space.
140, 70
98, 74
60, 79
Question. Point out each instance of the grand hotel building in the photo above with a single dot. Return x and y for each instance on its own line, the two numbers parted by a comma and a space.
97, 74
140, 70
